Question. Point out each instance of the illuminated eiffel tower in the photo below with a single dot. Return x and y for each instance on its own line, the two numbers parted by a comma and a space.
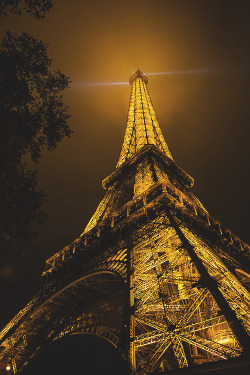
153, 273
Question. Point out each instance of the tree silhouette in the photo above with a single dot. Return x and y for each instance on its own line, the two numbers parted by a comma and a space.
36, 8
33, 117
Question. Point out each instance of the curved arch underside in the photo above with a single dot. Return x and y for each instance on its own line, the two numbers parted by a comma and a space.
101, 332
90, 305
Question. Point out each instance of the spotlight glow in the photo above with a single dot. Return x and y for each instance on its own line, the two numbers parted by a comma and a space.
188, 71
98, 84
173, 72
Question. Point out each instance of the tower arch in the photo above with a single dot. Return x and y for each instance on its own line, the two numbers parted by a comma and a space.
152, 268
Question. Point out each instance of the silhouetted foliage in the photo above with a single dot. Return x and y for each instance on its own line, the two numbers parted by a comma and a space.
32, 117
36, 8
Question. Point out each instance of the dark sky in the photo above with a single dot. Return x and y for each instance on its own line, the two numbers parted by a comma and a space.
205, 118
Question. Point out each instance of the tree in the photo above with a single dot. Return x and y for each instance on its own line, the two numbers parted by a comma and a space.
32, 117
36, 8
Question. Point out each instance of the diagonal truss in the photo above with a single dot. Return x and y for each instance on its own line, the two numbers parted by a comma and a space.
153, 272
176, 319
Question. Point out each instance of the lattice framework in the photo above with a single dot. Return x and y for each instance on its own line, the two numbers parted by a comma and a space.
153, 272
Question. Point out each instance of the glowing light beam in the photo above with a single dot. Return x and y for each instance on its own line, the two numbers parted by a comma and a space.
98, 84
189, 71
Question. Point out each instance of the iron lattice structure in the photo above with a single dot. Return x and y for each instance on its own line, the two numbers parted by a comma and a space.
153, 273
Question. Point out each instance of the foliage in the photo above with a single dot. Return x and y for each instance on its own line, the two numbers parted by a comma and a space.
35, 8
32, 117
21, 204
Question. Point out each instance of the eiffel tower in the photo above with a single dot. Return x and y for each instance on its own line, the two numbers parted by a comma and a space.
153, 272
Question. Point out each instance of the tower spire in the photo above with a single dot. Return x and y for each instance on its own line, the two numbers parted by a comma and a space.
142, 124
153, 273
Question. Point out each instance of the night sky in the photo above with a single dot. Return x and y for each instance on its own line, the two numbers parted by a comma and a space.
204, 115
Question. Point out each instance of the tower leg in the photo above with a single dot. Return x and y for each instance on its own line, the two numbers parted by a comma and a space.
130, 320
208, 282
132, 359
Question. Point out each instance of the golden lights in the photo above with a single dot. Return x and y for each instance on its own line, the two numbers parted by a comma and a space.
172, 310
142, 124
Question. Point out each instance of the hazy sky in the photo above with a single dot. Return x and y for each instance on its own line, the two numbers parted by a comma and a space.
204, 115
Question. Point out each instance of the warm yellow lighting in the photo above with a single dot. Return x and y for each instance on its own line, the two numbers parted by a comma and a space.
142, 124
223, 337
179, 288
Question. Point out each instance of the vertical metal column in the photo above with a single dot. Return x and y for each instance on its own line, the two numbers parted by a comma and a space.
131, 360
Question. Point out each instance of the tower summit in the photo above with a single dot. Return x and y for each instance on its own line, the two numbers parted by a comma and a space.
144, 159
142, 124
153, 273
